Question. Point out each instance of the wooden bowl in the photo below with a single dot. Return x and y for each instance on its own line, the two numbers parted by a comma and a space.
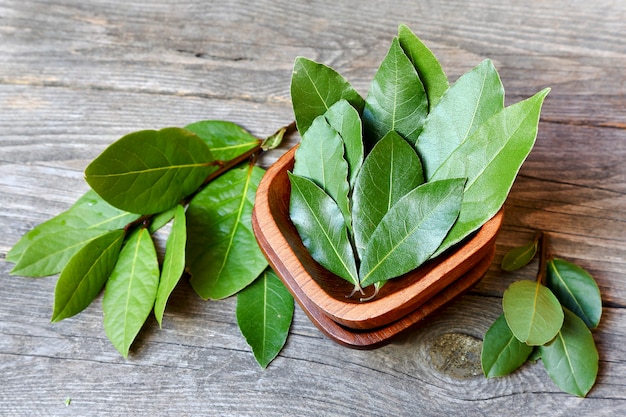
400, 303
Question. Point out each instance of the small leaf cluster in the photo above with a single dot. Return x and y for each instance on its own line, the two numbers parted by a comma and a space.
548, 320
201, 180
382, 184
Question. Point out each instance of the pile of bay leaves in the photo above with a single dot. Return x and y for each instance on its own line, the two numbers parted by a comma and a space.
381, 185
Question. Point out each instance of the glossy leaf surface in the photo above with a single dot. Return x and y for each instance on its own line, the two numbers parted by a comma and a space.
321, 227
572, 358
502, 352
173, 262
466, 105
532, 312
411, 231
130, 291
520, 256
226, 140
391, 170
150, 171
264, 313
222, 254
344, 118
490, 158
426, 64
85, 274
396, 99
576, 289
314, 88
320, 158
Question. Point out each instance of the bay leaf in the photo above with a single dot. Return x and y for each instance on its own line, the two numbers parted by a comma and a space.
396, 99
264, 313
532, 312
344, 118
391, 170
411, 230
576, 290
226, 140
173, 262
222, 254
426, 64
571, 359
520, 256
85, 274
130, 291
321, 226
502, 352
466, 105
314, 88
490, 158
150, 171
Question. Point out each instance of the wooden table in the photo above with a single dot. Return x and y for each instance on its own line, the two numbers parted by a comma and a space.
75, 76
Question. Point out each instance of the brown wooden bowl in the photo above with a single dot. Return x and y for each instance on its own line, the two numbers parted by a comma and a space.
320, 292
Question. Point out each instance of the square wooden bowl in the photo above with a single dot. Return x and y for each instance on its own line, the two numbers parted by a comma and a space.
401, 302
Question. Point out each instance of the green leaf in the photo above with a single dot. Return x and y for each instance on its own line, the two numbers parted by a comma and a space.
173, 263
532, 312
502, 353
85, 274
264, 314
576, 290
426, 64
161, 219
225, 139
571, 359
390, 171
322, 228
520, 256
314, 88
490, 158
130, 291
474, 98
150, 171
344, 118
49, 254
320, 158
411, 231
222, 254
396, 99
89, 212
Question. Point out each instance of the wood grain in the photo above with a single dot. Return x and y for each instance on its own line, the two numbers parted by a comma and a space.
75, 76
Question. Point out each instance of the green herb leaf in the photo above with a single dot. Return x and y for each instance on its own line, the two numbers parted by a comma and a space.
314, 88
85, 274
322, 228
320, 158
411, 231
150, 171
502, 353
490, 158
173, 263
466, 105
222, 254
130, 291
576, 290
520, 256
396, 99
161, 219
390, 171
264, 314
572, 358
89, 212
344, 118
426, 64
49, 254
532, 312
226, 140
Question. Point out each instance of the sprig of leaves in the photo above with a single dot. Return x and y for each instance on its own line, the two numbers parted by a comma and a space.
202, 179
551, 317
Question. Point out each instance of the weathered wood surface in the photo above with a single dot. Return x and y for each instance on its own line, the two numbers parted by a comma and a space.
76, 75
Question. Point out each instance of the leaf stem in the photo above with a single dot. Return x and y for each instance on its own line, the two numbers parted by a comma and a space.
544, 241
